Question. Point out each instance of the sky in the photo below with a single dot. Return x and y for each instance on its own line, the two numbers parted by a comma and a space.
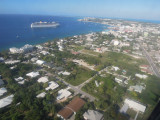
133, 9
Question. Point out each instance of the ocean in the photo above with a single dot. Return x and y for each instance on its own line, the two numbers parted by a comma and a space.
15, 30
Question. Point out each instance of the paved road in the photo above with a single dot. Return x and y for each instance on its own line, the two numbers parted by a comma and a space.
77, 90
151, 62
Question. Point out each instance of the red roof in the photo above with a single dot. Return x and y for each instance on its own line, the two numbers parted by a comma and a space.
74, 106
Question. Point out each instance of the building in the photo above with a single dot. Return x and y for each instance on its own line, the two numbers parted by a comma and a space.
135, 105
64, 73
74, 106
24, 49
14, 50
93, 115
63, 93
141, 76
6, 101
2, 91
41, 95
12, 61
115, 68
43, 79
1, 59
119, 79
33, 74
137, 88
52, 85
40, 62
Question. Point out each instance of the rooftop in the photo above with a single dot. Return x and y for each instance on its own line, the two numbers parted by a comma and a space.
6, 101
92, 115
74, 106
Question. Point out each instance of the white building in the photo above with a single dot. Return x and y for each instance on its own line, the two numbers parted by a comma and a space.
41, 95
63, 93
1, 59
18, 79
135, 105
119, 79
14, 50
40, 62
115, 68
93, 115
26, 48
6, 101
52, 85
137, 88
43, 79
2, 91
64, 73
32, 74
141, 76
12, 61
44, 52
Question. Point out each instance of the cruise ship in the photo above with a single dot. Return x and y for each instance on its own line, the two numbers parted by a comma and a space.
44, 24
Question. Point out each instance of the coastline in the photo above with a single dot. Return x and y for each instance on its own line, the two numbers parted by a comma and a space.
69, 26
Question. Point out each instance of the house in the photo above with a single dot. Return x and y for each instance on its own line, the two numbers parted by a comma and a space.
1, 59
144, 66
135, 105
2, 91
52, 85
63, 93
137, 88
12, 61
41, 95
119, 79
93, 115
18, 79
33, 74
115, 68
6, 101
64, 73
40, 62
44, 52
34, 59
141, 76
43, 79
74, 106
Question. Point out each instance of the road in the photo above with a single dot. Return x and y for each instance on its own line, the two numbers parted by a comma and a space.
77, 90
151, 62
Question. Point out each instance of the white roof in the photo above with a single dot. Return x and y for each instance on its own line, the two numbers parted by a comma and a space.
92, 115
135, 105
64, 73
12, 61
52, 85
18, 79
40, 62
41, 95
2, 91
33, 74
21, 82
6, 101
43, 79
116, 68
63, 93
141, 76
